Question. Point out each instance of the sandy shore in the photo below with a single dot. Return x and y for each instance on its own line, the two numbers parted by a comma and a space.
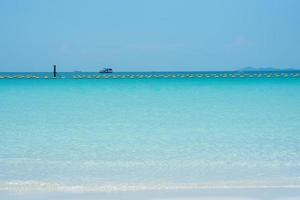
201, 194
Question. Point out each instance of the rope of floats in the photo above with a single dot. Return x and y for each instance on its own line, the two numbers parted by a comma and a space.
162, 76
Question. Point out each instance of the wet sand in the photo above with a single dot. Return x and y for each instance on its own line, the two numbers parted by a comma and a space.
203, 194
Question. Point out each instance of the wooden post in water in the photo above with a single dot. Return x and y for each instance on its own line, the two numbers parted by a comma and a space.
54, 71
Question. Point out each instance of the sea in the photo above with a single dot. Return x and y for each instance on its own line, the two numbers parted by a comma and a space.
137, 134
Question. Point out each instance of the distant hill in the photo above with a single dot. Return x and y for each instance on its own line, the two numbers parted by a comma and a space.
251, 69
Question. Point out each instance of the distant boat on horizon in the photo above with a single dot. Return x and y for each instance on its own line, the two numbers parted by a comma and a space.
106, 70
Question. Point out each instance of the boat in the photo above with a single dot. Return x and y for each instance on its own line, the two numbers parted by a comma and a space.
106, 70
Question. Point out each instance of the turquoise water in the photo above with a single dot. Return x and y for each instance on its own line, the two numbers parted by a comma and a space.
132, 134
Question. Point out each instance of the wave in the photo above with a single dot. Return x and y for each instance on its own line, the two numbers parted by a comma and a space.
30, 186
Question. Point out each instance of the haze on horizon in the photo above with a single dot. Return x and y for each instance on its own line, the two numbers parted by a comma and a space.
140, 35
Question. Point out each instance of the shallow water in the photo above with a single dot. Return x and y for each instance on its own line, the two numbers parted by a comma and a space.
137, 134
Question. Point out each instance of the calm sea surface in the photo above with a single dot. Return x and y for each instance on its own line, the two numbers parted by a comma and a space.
134, 134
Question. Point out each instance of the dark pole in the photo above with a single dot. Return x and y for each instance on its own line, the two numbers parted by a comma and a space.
54, 71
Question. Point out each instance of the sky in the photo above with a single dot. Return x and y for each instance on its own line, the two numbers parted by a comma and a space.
148, 35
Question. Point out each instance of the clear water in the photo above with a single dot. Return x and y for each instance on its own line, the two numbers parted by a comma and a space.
127, 134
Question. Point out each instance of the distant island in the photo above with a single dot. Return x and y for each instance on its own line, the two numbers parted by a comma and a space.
251, 69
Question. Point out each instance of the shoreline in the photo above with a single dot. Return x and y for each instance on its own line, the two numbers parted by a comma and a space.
188, 194
34, 186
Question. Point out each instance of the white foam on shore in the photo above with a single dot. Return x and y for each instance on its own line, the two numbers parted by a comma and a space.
34, 186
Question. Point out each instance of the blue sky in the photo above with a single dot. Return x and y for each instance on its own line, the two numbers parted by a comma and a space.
148, 35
